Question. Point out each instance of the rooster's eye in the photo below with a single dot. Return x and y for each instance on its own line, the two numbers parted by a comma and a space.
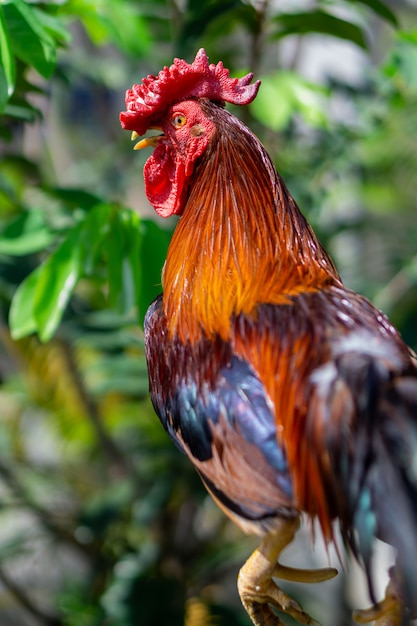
178, 120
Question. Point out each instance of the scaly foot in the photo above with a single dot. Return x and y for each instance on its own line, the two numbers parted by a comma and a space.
388, 612
256, 586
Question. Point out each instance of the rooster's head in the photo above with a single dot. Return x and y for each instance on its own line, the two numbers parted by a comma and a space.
171, 104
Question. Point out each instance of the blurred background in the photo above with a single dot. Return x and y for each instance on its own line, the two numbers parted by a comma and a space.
102, 521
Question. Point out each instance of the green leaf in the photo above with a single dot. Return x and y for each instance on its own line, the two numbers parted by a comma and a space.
75, 198
135, 251
381, 9
213, 19
94, 232
115, 246
58, 276
30, 42
54, 26
401, 66
273, 105
119, 22
408, 35
127, 28
22, 111
132, 273
26, 234
112, 234
21, 318
152, 254
308, 22
7, 65
284, 93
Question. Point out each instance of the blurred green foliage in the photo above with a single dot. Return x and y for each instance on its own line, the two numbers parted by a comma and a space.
102, 520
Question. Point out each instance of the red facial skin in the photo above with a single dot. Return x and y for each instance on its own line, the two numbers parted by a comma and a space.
186, 134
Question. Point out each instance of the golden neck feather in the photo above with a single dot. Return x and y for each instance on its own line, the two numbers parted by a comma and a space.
240, 242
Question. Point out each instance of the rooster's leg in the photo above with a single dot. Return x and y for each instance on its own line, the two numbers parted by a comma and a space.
259, 592
388, 612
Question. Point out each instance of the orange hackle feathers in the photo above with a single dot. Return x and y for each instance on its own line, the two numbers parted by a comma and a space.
220, 263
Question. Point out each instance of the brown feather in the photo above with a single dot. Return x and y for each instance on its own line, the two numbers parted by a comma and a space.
285, 346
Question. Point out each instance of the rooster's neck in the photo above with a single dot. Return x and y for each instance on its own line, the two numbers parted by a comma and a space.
240, 242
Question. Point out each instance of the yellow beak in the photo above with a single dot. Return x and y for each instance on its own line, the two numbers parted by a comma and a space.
147, 142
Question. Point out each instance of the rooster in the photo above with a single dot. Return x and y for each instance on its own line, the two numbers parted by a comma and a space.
289, 393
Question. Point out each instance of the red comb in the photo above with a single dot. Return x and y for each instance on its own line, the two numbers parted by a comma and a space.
180, 81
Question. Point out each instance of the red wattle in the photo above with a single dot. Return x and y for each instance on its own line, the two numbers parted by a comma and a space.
164, 175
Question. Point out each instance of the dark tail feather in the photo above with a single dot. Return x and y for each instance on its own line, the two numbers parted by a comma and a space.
386, 504
364, 420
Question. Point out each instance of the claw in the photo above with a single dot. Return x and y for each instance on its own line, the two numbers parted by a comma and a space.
259, 592
388, 612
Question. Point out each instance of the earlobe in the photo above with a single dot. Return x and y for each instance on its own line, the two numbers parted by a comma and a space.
197, 131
